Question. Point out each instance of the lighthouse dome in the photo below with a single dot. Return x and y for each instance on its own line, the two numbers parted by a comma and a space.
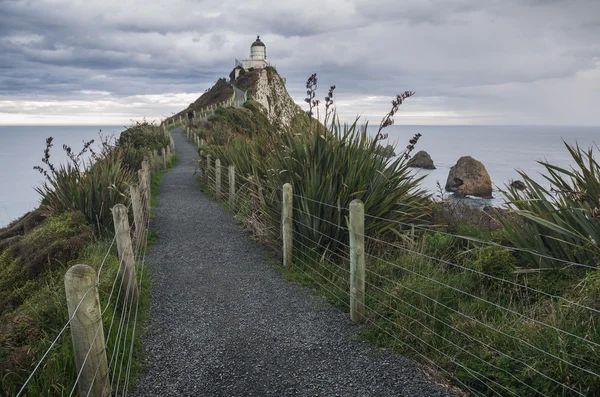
257, 43
258, 50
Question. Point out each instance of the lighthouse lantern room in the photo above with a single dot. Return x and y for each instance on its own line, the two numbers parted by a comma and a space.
257, 60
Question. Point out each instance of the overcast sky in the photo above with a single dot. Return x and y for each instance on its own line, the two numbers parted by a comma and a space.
469, 61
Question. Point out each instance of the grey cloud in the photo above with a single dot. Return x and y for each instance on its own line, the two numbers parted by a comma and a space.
457, 50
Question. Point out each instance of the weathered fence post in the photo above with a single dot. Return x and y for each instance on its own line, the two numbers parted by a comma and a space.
155, 160
218, 179
142, 192
231, 186
163, 153
138, 218
87, 331
146, 185
125, 249
357, 260
208, 165
286, 224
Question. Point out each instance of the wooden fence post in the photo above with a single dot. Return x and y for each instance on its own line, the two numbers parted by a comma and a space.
232, 187
87, 331
286, 224
138, 217
146, 186
218, 179
208, 165
125, 249
357, 260
143, 182
155, 160
163, 153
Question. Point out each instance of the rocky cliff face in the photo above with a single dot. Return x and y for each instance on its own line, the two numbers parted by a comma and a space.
263, 86
266, 87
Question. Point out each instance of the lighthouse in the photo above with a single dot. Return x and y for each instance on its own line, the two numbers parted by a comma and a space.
258, 51
257, 60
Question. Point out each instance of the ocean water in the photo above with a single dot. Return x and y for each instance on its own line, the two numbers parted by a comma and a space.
22, 147
502, 149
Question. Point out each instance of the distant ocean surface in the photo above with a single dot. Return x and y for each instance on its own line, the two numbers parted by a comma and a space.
22, 147
502, 149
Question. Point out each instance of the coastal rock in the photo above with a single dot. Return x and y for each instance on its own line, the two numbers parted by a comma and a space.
519, 185
269, 90
422, 160
469, 177
385, 151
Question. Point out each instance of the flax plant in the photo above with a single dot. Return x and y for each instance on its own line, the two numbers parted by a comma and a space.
329, 166
559, 220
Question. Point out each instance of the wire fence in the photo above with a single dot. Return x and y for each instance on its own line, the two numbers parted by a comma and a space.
104, 319
489, 331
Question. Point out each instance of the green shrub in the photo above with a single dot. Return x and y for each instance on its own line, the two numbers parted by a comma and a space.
49, 246
440, 245
143, 135
561, 220
332, 168
91, 188
421, 312
495, 261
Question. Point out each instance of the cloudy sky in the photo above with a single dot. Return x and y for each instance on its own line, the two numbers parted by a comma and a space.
469, 61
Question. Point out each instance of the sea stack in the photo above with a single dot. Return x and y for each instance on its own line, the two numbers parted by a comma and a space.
469, 177
422, 160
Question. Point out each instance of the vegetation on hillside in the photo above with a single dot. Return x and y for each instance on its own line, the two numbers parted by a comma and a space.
559, 220
221, 91
458, 289
72, 225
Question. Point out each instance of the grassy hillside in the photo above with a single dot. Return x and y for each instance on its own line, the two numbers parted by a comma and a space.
221, 91
72, 226
457, 288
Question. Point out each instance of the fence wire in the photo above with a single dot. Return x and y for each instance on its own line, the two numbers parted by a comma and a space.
486, 343
124, 325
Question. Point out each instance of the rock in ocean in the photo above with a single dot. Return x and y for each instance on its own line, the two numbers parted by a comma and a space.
422, 160
469, 177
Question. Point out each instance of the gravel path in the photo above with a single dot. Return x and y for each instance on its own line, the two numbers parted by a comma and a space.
223, 322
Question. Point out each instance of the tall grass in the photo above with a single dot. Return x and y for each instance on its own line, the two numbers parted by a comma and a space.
45, 313
77, 198
91, 188
468, 309
329, 166
561, 220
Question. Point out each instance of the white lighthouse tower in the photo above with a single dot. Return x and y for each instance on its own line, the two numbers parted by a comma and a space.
257, 60
258, 51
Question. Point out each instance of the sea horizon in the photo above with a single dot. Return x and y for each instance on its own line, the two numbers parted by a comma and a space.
501, 148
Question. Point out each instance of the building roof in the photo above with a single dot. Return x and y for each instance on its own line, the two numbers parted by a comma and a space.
258, 43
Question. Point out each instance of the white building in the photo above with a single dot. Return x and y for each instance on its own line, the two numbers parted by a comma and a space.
257, 60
